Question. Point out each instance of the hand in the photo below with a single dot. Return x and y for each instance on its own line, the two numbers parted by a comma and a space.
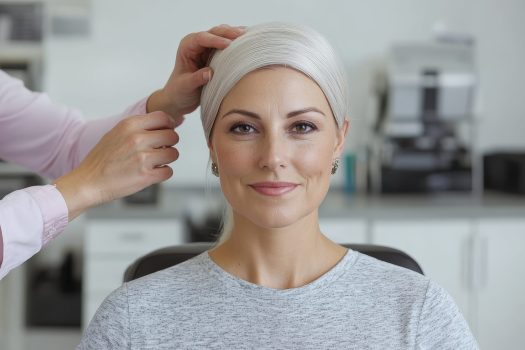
181, 94
130, 157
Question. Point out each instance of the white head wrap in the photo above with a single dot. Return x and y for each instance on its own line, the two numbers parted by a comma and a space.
275, 43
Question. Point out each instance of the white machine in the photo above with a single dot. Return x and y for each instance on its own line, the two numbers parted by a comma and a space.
424, 130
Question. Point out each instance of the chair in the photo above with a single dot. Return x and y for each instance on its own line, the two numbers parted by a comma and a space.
165, 257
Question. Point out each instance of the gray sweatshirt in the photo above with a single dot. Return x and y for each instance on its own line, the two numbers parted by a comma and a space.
361, 303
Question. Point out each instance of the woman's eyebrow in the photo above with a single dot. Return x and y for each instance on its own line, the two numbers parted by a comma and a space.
256, 116
243, 112
302, 111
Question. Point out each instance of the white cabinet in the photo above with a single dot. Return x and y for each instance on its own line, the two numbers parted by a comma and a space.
441, 248
111, 246
479, 262
342, 230
501, 284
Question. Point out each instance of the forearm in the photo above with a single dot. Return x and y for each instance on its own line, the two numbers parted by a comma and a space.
56, 138
32, 118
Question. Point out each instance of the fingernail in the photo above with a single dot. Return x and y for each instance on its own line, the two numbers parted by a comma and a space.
207, 75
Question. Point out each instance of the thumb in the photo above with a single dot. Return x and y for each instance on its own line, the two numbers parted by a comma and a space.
199, 78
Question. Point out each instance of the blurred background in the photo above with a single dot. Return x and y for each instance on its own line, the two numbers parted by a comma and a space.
434, 163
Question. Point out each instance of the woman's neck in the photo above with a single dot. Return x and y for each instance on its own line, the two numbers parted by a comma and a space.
281, 258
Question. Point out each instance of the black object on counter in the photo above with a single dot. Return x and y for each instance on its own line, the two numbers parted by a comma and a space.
425, 181
205, 231
148, 195
505, 172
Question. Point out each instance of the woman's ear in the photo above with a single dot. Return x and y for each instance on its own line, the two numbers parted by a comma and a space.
341, 136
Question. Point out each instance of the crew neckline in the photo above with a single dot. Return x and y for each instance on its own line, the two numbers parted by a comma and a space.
257, 291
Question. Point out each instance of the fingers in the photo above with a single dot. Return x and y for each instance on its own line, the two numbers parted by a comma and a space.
182, 90
227, 31
160, 138
152, 121
216, 38
152, 139
161, 156
153, 130
202, 41
154, 164
197, 79
161, 173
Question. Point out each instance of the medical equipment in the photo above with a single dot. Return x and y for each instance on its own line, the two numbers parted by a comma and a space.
423, 136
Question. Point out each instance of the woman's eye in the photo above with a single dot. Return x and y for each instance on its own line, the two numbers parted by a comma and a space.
242, 129
304, 128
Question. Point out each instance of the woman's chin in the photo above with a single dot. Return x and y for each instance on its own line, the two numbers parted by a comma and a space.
274, 219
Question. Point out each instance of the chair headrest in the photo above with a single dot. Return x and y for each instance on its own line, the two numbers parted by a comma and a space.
166, 257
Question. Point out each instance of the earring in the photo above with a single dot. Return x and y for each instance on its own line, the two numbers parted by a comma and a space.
335, 165
214, 169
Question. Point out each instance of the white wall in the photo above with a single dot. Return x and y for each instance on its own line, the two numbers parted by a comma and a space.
132, 46
500, 26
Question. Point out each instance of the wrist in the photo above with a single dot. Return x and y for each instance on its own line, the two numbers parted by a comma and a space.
159, 101
78, 197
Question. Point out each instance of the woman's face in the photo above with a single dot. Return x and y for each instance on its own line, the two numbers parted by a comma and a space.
274, 141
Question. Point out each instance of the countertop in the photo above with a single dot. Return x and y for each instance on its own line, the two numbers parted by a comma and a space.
178, 202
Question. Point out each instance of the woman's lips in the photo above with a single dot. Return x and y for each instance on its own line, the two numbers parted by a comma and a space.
273, 188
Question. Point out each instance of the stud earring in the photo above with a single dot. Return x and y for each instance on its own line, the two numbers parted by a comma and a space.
214, 169
335, 165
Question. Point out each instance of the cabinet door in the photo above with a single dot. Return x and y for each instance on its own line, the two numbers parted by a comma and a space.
441, 248
501, 288
131, 238
344, 230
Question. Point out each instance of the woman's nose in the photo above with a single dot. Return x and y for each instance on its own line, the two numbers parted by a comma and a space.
273, 152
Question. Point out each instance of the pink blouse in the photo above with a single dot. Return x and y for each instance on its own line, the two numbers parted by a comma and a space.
50, 140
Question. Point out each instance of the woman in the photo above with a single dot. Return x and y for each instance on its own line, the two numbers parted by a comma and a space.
274, 115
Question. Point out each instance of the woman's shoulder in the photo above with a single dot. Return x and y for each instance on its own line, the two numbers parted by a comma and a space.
183, 275
380, 275
434, 311
171, 287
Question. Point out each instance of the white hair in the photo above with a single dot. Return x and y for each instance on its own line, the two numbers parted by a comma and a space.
269, 44
273, 44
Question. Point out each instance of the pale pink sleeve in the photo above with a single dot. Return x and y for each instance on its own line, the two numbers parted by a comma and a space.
29, 218
50, 140
47, 138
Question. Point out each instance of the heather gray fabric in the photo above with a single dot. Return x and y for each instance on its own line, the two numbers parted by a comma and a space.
361, 303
